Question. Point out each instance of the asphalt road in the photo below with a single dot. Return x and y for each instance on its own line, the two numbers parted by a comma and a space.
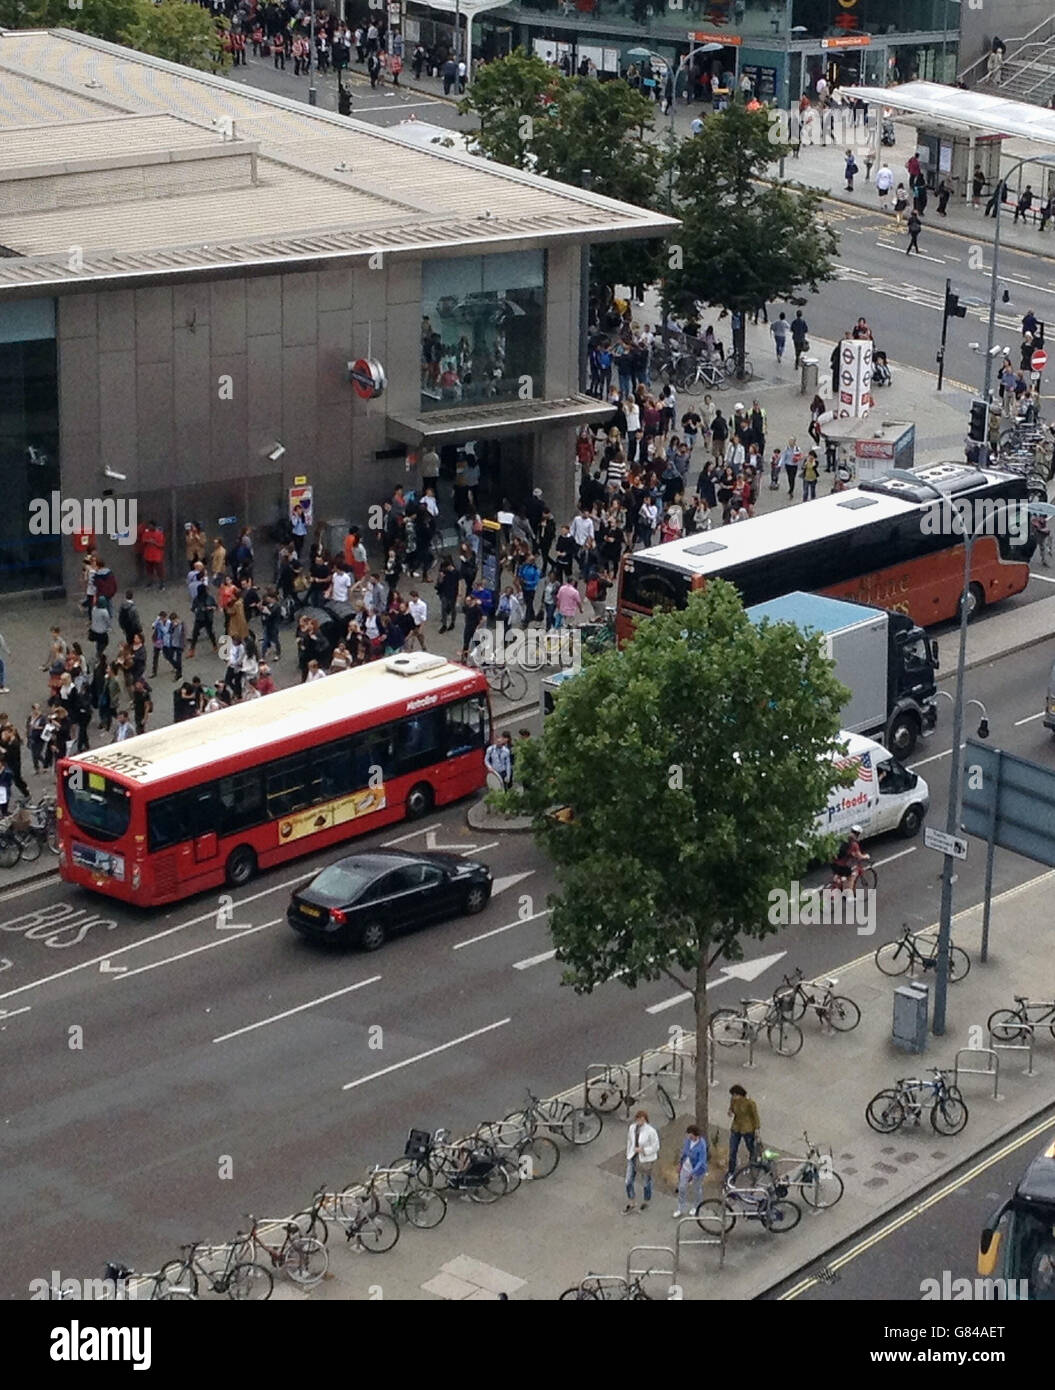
933, 1235
166, 1073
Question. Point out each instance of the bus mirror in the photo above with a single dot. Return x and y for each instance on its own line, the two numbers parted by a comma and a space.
934, 654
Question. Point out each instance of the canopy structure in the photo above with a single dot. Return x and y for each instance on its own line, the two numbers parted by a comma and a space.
980, 111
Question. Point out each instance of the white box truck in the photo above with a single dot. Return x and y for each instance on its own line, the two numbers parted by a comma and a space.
883, 658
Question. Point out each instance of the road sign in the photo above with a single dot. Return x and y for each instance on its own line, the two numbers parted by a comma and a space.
945, 843
1039, 360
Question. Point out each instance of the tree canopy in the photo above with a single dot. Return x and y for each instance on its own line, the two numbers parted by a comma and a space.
695, 764
171, 29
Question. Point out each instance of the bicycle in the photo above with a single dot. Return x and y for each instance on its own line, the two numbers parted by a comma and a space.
718, 1215
592, 1289
705, 374
728, 1027
812, 1174
895, 957
1007, 1024
606, 1092
888, 1110
576, 1124
405, 1197
505, 680
240, 1279
833, 1010
374, 1232
10, 845
521, 1155
303, 1258
861, 876
600, 636
44, 824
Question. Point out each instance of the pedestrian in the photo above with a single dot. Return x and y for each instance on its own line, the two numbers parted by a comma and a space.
473, 615
419, 611
11, 750
99, 624
158, 637
499, 759
204, 609
915, 226
691, 1170
128, 617
978, 182
779, 330
944, 194
849, 170
884, 182
154, 554
124, 729
1025, 202
142, 706
799, 330
745, 1124
642, 1151
569, 603
810, 471
996, 198
175, 638
790, 459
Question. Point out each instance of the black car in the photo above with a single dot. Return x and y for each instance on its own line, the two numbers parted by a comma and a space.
364, 898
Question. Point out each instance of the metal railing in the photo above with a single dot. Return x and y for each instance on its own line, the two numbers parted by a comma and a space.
1023, 1030
994, 1071
1014, 49
680, 1240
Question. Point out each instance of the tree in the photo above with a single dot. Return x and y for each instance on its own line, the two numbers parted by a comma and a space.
103, 19
579, 131
743, 242
686, 811
178, 31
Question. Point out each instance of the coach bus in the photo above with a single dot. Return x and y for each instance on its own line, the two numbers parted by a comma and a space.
887, 543
1018, 1243
210, 801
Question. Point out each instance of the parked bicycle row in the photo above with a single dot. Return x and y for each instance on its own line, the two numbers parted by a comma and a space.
778, 1016
25, 832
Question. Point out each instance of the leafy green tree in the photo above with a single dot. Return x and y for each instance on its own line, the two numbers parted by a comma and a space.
743, 242
579, 131
694, 764
103, 19
178, 31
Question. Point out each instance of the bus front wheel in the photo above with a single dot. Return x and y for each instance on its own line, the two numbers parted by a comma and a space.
419, 801
241, 866
975, 602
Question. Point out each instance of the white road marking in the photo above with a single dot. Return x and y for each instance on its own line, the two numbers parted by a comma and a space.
432, 1051
146, 940
1046, 577
288, 1013
400, 106
479, 849
34, 887
497, 931
932, 759
422, 830
209, 946
676, 999
105, 968
500, 885
534, 960
891, 857
1029, 719
5, 1015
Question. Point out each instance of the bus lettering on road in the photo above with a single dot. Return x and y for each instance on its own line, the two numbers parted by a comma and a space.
58, 925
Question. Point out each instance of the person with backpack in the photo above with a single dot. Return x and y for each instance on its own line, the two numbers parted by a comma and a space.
849, 170
128, 617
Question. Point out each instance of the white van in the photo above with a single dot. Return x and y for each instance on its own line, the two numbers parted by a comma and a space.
885, 794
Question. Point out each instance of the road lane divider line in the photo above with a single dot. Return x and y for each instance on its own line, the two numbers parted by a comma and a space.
497, 931
420, 1056
673, 1000
478, 849
534, 960
400, 839
1045, 577
900, 855
298, 1009
1029, 719
209, 946
5, 1015
146, 940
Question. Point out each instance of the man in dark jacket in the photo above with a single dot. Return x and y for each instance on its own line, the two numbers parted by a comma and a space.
128, 617
447, 593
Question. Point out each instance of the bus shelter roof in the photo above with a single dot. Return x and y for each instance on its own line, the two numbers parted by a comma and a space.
981, 111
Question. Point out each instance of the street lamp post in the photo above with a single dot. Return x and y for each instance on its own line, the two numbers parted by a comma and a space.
313, 96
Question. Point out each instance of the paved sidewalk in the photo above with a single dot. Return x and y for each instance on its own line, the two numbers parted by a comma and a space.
548, 1235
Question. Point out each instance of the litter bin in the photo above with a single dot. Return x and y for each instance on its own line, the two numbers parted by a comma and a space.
911, 1017
810, 375
336, 530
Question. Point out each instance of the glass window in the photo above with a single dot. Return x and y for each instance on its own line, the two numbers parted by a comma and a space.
30, 543
482, 329
241, 801
101, 808
419, 740
341, 883
383, 888
466, 725
292, 783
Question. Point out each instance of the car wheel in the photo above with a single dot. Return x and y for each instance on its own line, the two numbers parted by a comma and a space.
476, 899
419, 801
241, 866
911, 822
372, 936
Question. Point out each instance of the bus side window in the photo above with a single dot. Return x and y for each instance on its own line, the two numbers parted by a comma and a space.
419, 739
335, 769
241, 801
292, 784
372, 751
465, 726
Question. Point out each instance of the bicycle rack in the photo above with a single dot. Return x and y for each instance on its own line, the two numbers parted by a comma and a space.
601, 1282
681, 1240
1025, 1030
614, 1072
674, 1069
632, 1272
993, 1070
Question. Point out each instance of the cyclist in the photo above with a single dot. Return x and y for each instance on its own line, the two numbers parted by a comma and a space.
849, 859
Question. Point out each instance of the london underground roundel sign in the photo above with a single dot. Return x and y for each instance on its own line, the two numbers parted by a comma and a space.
368, 378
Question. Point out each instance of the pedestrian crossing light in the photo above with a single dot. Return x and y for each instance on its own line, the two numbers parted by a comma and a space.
344, 101
979, 429
953, 308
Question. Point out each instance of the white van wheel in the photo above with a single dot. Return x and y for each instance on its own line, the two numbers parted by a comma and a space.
911, 822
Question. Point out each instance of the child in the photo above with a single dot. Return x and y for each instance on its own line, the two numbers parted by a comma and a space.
774, 471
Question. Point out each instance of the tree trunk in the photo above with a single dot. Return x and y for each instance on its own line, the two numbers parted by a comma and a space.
702, 1046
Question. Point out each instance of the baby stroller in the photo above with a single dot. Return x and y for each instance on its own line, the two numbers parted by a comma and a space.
881, 370
886, 134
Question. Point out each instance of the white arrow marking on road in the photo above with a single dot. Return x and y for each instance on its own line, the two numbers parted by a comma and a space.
13, 1013
397, 1066
430, 843
742, 970
501, 884
299, 1009
421, 830
533, 960
105, 968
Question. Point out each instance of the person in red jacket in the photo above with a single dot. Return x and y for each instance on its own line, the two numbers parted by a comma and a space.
154, 554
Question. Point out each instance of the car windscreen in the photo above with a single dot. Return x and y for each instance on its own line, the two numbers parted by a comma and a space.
97, 805
342, 883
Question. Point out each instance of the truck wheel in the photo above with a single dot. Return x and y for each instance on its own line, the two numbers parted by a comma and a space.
975, 602
902, 735
911, 822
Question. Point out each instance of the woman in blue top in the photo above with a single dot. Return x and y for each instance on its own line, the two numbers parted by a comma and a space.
692, 1169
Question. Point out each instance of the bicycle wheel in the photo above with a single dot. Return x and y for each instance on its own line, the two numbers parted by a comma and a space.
784, 1037
949, 1114
577, 1294
425, 1208
250, 1283
714, 1217
352, 1200
53, 836
895, 957
581, 1126
604, 1093
781, 1215
665, 1101
514, 684
311, 1225
867, 878
538, 1157
885, 1113
822, 1190
726, 1027
695, 384
495, 678
375, 1234
959, 964
791, 1002
306, 1261
510, 1166
29, 846
518, 1125
493, 1186
843, 1014
419, 1171
684, 373
753, 1175
177, 1274
1005, 1025
10, 851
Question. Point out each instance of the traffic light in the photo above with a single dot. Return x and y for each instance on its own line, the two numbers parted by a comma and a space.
979, 428
953, 308
344, 101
